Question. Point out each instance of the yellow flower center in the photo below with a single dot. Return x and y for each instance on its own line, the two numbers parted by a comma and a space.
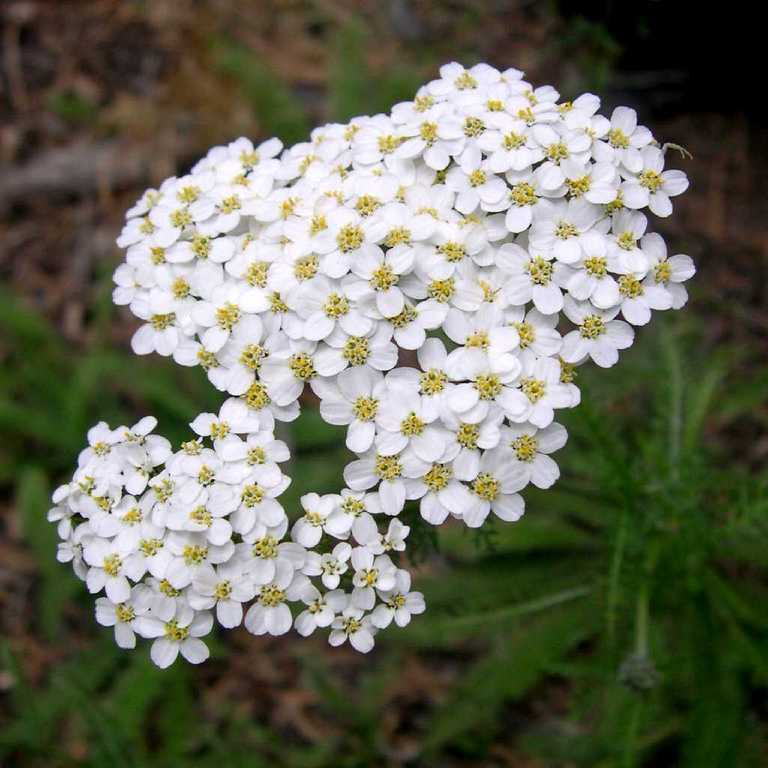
540, 270
473, 126
350, 237
525, 447
533, 389
256, 396
557, 151
618, 139
662, 272
627, 241
477, 178
412, 425
428, 132
398, 236
367, 204
112, 564
477, 340
565, 229
527, 334
467, 435
408, 315
181, 218
305, 268
438, 477
387, 467
302, 366
578, 187
651, 180
465, 82
252, 494
271, 596
486, 486
174, 632
452, 251
523, 194
194, 554
201, 516
365, 408
356, 350
265, 547
441, 290
124, 613
228, 316
161, 322
488, 386
256, 274
592, 327
432, 382
383, 278
252, 355
630, 287
596, 266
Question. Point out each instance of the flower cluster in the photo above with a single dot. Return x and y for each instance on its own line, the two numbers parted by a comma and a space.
434, 275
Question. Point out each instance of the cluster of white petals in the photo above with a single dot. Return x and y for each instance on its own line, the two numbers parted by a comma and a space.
434, 275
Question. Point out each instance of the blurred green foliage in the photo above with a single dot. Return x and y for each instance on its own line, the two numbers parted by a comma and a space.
637, 585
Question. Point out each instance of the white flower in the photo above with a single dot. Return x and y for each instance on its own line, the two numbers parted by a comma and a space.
351, 624
667, 273
638, 299
530, 447
352, 514
589, 278
388, 471
530, 278
627, 228
489, 386
625, 139
270, 614
436, 136
403, 421
398, 603
123, 616
598, 336
324, 305
333, 565
353, 399
287, 370
536, 332
340, 351
180, 633
540, 392
190, 552
495, 490
509, 144
559, 145
318, 612
474, 184
308, 529
559, 228
652, 186
111, 565
227, 588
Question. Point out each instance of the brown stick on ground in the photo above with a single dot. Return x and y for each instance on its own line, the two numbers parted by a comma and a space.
79, 169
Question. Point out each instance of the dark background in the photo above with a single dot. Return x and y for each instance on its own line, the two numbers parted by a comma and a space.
623, 622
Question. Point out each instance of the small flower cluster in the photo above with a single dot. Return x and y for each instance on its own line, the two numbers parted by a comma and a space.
434, 275
174, 539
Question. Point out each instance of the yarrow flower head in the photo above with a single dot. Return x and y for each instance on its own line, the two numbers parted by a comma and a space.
502, 234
